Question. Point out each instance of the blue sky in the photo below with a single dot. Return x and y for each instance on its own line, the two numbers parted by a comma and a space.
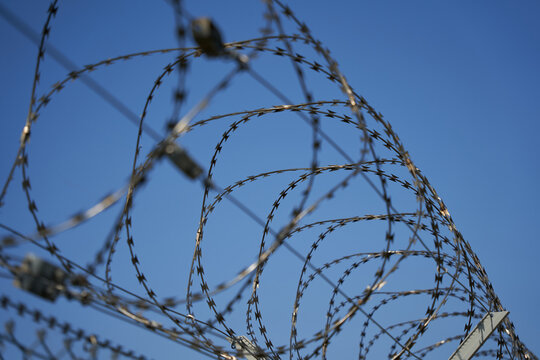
459, 82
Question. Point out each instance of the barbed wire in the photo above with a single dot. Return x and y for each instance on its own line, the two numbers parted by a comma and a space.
395, 311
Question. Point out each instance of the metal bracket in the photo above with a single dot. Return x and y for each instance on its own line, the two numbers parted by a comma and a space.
478, 336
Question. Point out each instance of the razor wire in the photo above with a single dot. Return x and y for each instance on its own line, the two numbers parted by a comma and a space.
408, 224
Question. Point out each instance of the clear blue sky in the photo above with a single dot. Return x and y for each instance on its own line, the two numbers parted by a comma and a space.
459, 82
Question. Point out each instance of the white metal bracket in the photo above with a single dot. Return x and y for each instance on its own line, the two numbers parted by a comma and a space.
478, 336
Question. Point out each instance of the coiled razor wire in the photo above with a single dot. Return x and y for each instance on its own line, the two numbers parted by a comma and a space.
359, 279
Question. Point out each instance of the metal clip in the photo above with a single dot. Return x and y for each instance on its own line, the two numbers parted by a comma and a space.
246, 348
208, 37
182, 160
40, 277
